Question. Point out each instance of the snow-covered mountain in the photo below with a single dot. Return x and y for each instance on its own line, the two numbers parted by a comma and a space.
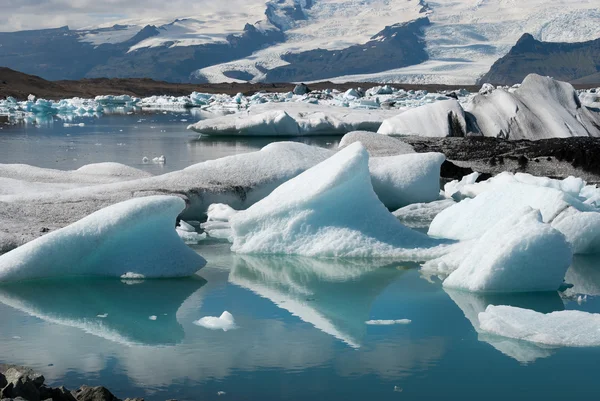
438, 41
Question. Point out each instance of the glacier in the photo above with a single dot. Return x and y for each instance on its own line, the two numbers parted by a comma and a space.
136, 236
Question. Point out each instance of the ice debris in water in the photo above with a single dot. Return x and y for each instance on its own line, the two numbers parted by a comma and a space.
188, 233
133, 276
136, 236
569, 328
224, 322
153, 317
160, 159
387, 322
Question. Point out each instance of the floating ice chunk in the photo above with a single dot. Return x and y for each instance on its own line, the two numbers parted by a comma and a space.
220, 212
132, 276
471, 218
133, 236
190, 238
145, 159
377, 144
570, 328
473, 304
224, 322
518, 254
387, 322
160, 160
440, 119
314, 214
455, 186
153, 317
292, 119
582, 230
102, 316
405, 179
67, 125
183, 226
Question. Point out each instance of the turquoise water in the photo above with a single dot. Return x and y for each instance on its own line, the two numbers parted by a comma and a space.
301, 331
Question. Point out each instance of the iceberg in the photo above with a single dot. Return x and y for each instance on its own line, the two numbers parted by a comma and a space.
440, 119
473, 304
224, 322
471, 218
518, 254
411, 178
559, 201
135, 236
292, 119
315, 214
540, 108
569, 328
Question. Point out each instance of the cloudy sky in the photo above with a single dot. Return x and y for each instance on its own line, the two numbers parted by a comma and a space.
35, 14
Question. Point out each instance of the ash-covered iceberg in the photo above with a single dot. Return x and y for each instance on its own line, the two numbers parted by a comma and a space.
136, 236
440, 119
540, 108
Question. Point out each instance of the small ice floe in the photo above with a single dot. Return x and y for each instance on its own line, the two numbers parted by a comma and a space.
224, 322
220, 393
183, 120
387, 322
16, 337
567, 328
398, 389
188, 233
153, 317
145, 159
102, 316
68, 125
132, 278
160, 160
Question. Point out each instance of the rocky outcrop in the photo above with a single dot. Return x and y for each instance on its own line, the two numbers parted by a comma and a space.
23, 384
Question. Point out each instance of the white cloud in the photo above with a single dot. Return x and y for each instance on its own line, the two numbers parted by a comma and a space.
37, 14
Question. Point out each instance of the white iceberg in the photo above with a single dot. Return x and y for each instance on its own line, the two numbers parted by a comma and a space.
315, 214
473, 304
471, 218
379, 322
224, 322
411, 178
570, 328
135, 236
518, 254
292, 119
440, 119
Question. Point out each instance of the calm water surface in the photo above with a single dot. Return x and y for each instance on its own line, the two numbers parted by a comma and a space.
301, 331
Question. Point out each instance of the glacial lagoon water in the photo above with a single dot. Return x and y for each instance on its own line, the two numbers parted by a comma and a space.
301, 331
